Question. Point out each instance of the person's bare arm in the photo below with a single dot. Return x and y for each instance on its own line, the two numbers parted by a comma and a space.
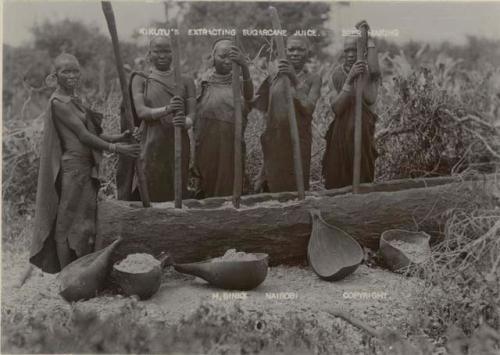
372, 58
237, 56
372, 77
190, 117
307, 101
143, 112
191, 102
65, 115
247, 84
68, 118
261, 99
116, 138
343, 99
370, 91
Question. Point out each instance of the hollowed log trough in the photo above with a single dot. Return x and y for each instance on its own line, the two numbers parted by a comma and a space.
280, 225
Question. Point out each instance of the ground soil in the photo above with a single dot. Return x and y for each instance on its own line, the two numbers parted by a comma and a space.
384, 298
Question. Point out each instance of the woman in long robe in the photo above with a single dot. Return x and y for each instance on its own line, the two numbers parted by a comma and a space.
278, 172
66, 201
215, 119
161, 105
338, 160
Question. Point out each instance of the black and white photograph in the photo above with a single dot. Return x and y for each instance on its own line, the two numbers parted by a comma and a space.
250, 177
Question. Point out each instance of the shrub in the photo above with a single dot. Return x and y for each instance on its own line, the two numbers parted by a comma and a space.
435, 119
462, 280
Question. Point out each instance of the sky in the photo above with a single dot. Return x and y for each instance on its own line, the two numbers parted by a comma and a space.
423, 21
427, 21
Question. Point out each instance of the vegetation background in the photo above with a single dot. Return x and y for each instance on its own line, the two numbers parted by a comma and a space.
438, 113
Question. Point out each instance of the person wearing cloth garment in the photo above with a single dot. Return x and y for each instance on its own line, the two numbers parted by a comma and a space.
277, 173
339, 153
68, 181
215, 118
155, 104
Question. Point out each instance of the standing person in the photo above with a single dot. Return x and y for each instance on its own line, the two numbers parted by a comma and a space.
154, 102
215, 119
338, 160
66, 201
277, 173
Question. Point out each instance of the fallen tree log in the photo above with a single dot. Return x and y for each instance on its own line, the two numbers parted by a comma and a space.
209, 227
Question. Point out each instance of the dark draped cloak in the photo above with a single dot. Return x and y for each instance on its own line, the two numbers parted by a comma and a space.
157, 141
214, 132
277, 148
338, 159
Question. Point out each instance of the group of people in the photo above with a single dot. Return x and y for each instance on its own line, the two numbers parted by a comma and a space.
65, 219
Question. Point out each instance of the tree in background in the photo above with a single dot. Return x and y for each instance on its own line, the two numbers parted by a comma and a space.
245, 15
26, 67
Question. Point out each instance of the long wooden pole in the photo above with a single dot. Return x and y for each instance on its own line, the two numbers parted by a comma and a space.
177, 130
110, 19
238, 131
294, 131
358, 123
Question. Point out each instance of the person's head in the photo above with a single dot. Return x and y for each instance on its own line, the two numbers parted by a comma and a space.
220, 53
67, 71
297, 51
350, 51
160, 53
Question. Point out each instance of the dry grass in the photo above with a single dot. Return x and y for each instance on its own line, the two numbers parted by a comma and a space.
460, 303
436, 118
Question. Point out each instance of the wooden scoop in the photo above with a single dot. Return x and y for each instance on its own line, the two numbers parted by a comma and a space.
332, 253
84, 277
231, 275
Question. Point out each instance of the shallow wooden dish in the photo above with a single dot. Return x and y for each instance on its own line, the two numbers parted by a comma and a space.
395, 257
